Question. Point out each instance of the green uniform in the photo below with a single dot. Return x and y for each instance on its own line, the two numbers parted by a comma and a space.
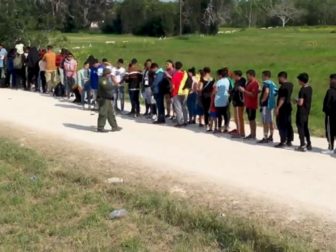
105, 101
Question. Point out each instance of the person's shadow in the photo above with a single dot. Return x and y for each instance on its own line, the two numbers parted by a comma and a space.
80, 127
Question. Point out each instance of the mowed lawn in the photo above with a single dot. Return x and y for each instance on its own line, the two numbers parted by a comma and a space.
295, 50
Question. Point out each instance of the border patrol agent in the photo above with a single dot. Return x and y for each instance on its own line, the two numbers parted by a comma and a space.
105, 101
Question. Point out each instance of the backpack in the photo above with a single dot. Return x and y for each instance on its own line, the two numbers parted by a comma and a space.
17, 62
188, 84
59, 90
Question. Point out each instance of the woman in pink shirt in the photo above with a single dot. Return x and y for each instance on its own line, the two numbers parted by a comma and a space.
70, 71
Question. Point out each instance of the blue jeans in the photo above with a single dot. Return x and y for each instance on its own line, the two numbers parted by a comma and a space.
86, 93
135, 102
119, 94
192, 105
159, 98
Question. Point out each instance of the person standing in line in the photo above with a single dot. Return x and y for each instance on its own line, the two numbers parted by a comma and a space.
42, 68
3, 56
267, 104
33, 67
158, 92
50, 74
167, 87
192, 96
283, 111
146, 88
213, 113
199, 105
303, 110
206, 86
105, 101
251, 92
84, 83
134, 78
94, 82
329, 109
119, 73
238, 104
70, 71
221, 89
180, 94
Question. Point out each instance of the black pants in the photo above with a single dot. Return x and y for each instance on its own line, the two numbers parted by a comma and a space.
20, 80
159, 98
284, 124
303, 130
223, 112
33, 73
330, 128
43, 81
206, 102
134, 98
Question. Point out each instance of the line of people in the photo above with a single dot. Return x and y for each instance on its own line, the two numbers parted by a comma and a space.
185, 96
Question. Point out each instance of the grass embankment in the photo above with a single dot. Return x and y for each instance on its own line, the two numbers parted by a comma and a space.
47, 206
295, 50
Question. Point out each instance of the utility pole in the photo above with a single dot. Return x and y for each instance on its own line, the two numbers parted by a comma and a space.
181, 19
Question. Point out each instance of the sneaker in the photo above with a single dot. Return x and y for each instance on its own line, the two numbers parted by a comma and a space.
263, 141
309, 147
289, 144
270, 139
116, 129
178, 125
102, 131
328, 152
250, 137
280, 145
301, 149
159, 122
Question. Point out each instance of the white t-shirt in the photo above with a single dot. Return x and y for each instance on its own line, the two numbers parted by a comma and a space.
42, 65
119, 74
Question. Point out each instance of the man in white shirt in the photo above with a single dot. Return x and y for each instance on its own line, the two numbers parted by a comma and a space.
119, 73
3, 55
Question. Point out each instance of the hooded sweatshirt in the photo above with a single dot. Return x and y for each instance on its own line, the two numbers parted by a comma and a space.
329, 104
273, 92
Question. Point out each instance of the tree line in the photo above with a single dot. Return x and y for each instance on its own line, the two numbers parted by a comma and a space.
158, 18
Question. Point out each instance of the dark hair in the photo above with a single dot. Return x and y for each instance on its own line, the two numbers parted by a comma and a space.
134, 61
267, 74
251, 72
304, 77
206, 70
192, 71
333, 76
283, 74
95, 61
121, 61
154, 65
104, 60
238, 73
178, 65
224, 72
170, 61
49, 47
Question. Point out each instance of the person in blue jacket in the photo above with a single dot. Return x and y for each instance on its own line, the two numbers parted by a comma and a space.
158, 92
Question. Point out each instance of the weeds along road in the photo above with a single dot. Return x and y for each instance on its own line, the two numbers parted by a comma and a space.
299, 180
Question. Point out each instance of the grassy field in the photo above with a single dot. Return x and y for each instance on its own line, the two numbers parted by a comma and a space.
48, 206
295, 50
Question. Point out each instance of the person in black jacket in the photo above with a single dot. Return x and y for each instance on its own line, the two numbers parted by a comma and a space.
33, 67
134, 78
329, 108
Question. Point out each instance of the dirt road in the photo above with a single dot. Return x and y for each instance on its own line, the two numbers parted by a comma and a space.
297, 180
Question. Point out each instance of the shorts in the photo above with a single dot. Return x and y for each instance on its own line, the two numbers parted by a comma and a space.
213, 115
267, 115
251, 114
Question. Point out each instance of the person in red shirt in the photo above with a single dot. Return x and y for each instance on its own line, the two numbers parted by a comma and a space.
179, 95
251, 92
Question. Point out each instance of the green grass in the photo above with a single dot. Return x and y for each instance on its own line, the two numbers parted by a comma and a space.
295, 50
47, 206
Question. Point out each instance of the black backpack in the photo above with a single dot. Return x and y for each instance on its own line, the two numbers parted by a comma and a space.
59, 90
188, 83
